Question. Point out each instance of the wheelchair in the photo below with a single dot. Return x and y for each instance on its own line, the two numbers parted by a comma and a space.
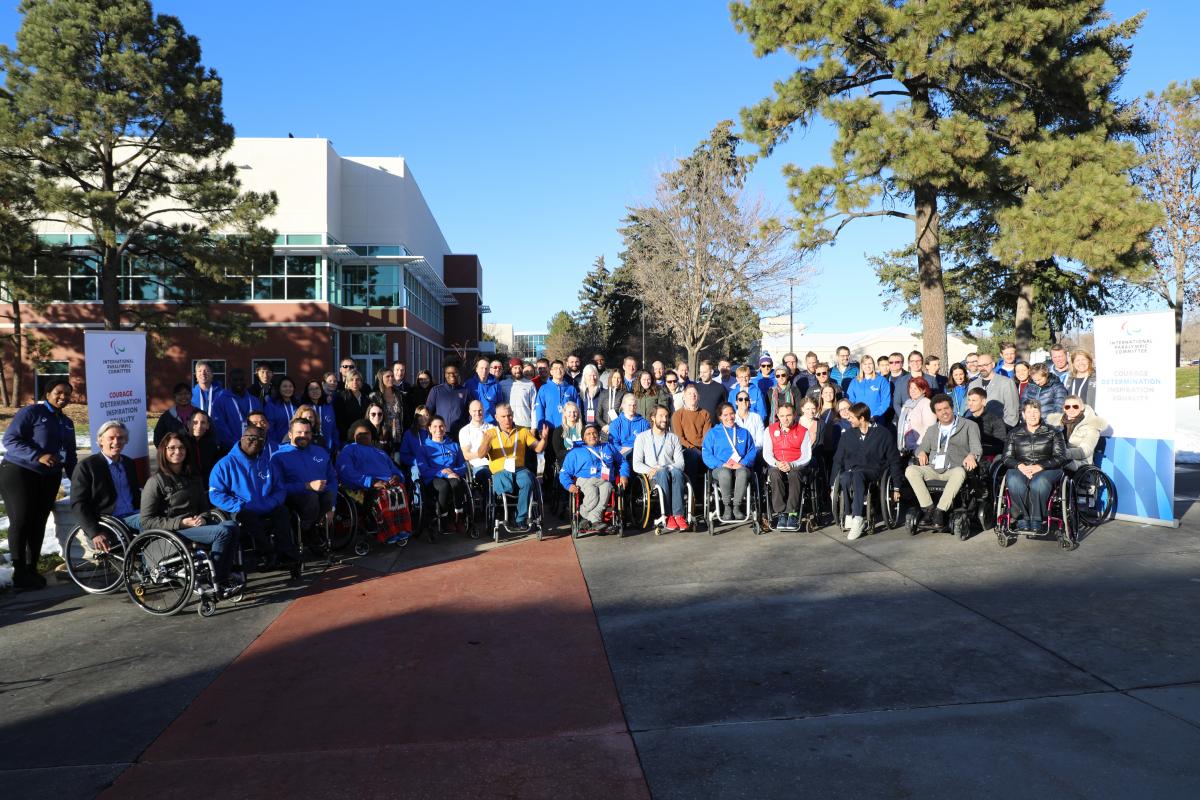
880, 507
500, 510
615, 512
972, 505
427, 518
712, 503
1085, 498
94, 571
814, 500
355, 522
646, 504
1095, 499
163, 571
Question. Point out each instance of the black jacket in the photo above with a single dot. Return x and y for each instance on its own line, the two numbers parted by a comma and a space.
203, 454
347, 410
992, 431
1043, 447
93, 493
169, 499
711, 395
874, 452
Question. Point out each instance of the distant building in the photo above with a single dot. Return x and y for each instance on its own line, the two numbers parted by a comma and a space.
529, 344
873, 342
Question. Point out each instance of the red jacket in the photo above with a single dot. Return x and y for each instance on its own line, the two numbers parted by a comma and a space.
786, 446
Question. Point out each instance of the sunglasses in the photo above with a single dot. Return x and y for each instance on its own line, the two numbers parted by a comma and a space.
896, 361
743, 399
1071, 405
671, 382
347, 366
822, 373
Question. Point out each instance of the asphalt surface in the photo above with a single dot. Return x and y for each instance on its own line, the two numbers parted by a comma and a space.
781, 665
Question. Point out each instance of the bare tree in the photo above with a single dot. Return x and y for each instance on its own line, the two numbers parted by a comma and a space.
1170, 176
702, 250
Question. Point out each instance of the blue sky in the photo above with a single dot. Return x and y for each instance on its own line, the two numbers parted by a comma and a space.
531, 126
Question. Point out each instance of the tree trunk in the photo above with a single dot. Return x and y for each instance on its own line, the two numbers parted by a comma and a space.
1023, 319
929, 269
693, 358
18, 352
1180, 268
110, 289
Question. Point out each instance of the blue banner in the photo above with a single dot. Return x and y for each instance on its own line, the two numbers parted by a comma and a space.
1143, 471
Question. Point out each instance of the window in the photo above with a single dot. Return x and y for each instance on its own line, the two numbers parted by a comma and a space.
287, 278
368, 351
421, 302
47, 370
217, 365
369, 285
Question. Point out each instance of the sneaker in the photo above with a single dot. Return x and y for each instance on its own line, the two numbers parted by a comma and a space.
403, 536
793, 520
856, 528
847, 522
681, 523
519, 527
671, 525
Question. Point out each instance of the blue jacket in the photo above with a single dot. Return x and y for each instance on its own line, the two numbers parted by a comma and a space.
410, 446
875, 392
622, 430
757, 404
433, 457
582, 462
550, 400
329, 428
230, 416
488, 392
716, 450
361, 465
843, 379
237, 482
36, 430
209, 401
299, 467
279, 415
1050, 396
449, 403
959, 395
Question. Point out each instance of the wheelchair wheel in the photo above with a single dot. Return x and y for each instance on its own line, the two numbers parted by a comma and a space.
1096, 496
710, 499
1066, 531
159, 572
639, 501
93, 571
345, 522
912, 521
1003, 518
889, 508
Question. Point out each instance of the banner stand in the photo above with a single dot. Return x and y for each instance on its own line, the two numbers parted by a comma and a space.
115, 370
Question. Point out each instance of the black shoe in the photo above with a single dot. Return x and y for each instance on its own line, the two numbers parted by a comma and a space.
926, 515
519, 527
780, 521
296, 571
939, 519
23, 578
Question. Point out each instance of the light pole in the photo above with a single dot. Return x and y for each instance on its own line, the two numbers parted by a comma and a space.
791, 317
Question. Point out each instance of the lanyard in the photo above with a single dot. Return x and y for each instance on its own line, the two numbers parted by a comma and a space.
206, 407
657, 450
944, 438
500, 441
731, 439
599, 457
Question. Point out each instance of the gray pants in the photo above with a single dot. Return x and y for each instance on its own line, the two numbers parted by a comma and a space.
917, 475
596, 492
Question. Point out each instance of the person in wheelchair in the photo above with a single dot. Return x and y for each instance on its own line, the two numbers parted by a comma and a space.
787, 452
508, 447
658, 454
247, 485
590, 470
626, 427
1081, 428
1034, 456
106, 484
730, 453
443, 472
363, 467
863, 453
309, 477
471, 435
176, 500
948, 450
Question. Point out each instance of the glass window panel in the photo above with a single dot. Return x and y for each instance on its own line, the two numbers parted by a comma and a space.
269, 288
54, 238
304, 238
301, 288
80, 288
302, 265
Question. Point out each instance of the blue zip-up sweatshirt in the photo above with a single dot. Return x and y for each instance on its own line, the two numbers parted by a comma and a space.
329, 428
875, 392
410, 446
488, 392
841, 378
581, 462
299, 467
959, 395
36, 430
279, 415
757, 404
360, 465
230, 415
623, 430
433, 457
716, 450
207, 401
239, 482
550, 400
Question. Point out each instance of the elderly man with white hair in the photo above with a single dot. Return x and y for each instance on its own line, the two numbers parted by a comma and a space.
106, 483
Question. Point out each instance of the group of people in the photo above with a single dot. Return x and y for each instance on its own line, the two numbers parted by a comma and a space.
263, 450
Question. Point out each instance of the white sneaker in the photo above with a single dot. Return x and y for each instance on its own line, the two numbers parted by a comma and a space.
847, 522
856, 528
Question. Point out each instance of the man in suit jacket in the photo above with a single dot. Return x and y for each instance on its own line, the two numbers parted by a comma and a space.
106, 483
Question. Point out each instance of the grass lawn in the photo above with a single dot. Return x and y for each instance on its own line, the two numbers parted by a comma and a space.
1187, 381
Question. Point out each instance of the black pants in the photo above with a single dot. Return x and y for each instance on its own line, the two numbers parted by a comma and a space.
271, 531
785, 490
310, 507
451, 493
854, 482
29, 500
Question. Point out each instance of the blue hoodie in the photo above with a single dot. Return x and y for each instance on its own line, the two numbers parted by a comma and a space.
550, 401
361, 465
757, 404
716, 450
583, 461
230, 415
433, 457
875, 392
279, 415
240, 483
36, 430
623, 430
488, 392
209, 401
298, 468
329, 428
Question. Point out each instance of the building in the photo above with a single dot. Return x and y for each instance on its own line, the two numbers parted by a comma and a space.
873, 342
518, 344
360, 270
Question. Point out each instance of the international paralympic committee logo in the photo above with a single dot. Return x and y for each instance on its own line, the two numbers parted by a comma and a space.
1131, 328
116, 348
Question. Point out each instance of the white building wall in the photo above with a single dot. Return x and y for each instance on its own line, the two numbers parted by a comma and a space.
297, 170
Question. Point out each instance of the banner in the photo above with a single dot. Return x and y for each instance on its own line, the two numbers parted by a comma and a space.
115, 367
1135, 395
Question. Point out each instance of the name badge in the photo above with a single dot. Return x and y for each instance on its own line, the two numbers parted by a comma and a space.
604, 473
510, 464
591, 415
939, 462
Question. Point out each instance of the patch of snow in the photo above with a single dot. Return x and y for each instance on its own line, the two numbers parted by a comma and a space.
50, 543
5, 577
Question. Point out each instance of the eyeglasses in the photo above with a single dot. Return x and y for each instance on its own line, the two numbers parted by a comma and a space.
1071, 405
822, 373
895, 361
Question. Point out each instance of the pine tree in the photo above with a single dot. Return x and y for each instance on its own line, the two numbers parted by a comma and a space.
121, 130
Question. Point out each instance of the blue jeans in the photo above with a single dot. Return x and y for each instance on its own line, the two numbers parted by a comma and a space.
220, 538
1029, 497
133, 522
671, 482
854, 482
503, 483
